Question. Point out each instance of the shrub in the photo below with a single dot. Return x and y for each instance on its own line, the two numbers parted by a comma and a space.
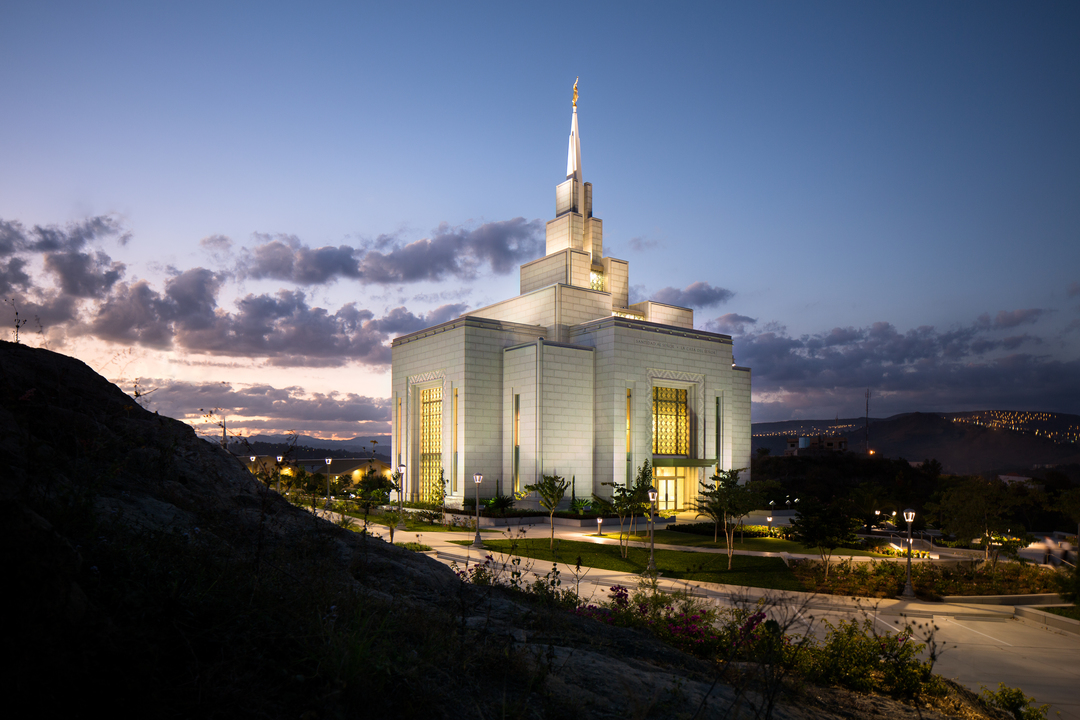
1013, 700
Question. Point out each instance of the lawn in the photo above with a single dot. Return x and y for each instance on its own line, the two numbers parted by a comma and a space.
759, 544
1069, 612
747, 570
415, 526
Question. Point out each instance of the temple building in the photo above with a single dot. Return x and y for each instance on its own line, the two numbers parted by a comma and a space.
568, 378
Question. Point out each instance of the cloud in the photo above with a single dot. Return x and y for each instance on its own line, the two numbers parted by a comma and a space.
919, 369
450, 252
698, 294
1074, 289
400, 321
639, 244
1010, 319
261, 407
84, 275
13, 274
281, 327
729, 324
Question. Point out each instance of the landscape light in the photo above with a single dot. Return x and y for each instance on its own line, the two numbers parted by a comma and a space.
477, 542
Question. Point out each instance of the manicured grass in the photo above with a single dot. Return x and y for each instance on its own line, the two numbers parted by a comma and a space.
748, 570
1069, 612
414, 526
760, 544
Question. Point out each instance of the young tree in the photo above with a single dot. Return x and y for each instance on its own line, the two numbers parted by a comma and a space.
638, 494
621, 504
824, 526
725, 502
551, 490
977, 508
373, 490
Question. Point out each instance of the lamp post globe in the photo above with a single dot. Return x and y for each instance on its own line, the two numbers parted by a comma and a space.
477, 542
909, 516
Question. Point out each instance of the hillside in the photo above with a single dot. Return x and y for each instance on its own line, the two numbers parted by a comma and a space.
961, 442
151, 574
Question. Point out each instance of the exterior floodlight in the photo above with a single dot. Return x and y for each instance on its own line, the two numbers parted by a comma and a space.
477, 542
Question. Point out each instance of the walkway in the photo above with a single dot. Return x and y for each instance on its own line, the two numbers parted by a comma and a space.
984, 644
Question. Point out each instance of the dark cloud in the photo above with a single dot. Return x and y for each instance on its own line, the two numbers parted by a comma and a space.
84, 275
698, 294
730, 324
281, 327
12, 275
73, 236
919, 369
263, 407
400, 321
450, 252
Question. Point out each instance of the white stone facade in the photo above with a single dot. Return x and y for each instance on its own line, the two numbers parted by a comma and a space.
560, 380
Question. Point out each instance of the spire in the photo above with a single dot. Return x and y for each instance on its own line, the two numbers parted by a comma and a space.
573, 154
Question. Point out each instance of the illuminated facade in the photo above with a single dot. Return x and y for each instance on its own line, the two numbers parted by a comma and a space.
568, 378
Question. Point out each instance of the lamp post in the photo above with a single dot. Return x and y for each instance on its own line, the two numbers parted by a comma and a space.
328, 461
652, 530
477, 542
400, 502
909, 592
279, 459
770, 526
599, 526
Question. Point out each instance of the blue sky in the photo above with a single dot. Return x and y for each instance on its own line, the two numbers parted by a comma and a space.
866, 194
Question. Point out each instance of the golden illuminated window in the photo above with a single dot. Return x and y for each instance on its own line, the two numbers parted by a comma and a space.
517, 443
596, 280
671, 422
430, 443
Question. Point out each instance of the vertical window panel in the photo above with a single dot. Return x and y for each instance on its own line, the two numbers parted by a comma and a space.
430, 442
671, 422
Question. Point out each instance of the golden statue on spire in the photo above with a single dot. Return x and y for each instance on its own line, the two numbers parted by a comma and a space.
575, 90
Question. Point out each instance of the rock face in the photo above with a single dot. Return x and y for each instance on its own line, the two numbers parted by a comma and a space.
154, 574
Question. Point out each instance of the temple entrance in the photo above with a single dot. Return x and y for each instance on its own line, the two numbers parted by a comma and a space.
670, 488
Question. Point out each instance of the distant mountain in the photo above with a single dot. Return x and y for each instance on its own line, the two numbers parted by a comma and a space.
309, 446
972, 442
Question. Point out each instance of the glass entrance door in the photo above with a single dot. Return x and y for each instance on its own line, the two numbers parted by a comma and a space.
670, 487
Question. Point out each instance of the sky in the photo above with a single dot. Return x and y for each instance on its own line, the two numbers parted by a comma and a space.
238, 206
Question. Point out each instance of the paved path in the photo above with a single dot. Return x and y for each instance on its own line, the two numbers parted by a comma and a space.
984, 644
